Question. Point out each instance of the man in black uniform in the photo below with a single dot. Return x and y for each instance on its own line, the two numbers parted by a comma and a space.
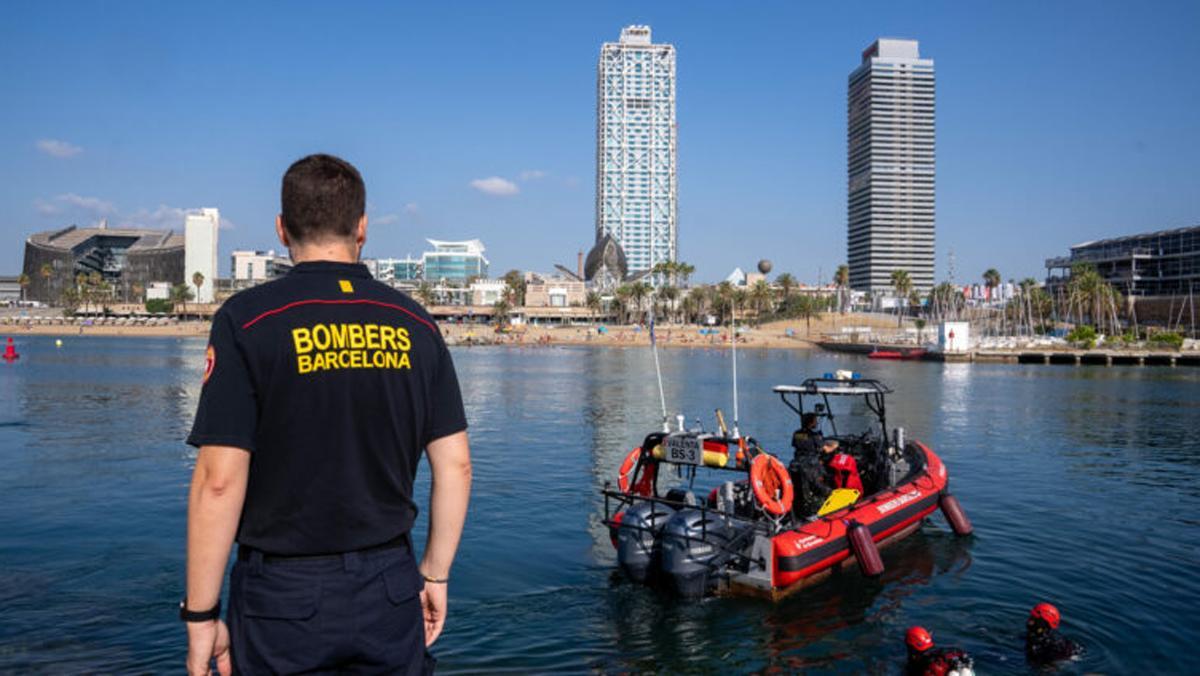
807, 468
321, 390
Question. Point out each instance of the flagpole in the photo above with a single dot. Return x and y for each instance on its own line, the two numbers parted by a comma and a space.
733, 347
662, 399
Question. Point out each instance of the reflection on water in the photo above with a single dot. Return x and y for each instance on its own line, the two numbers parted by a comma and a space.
1083, 483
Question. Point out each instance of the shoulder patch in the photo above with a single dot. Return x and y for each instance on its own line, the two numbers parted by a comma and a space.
210, 361
346, 286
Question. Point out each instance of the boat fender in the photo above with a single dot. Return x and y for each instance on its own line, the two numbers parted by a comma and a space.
645, 485
955, 515
865, 551
772, 484
615, 528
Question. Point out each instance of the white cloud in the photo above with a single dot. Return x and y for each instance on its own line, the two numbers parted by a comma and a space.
494, 185
411, 209
532, 174
386, 219
56, 148
167, 217
72, 202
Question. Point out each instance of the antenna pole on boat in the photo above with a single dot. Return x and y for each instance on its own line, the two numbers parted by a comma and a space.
662, 399
733, 352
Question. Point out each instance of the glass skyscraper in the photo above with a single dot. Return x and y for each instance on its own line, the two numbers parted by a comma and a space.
636, 148
890, 159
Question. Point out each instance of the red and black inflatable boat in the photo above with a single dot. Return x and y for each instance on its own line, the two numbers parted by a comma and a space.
757, 533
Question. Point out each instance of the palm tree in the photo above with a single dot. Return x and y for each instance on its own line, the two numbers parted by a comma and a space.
500, 311
516, 287
198, 281
807, 307
842, 279
685, 271
23, 282
786, 283
181, 294
623, 294
425, 294
760, 297
639, 292
901, 285
991, 279
723, 298
669, 294
592, 302
1096, 298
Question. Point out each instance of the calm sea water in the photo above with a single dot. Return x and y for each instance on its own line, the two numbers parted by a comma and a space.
1083, 484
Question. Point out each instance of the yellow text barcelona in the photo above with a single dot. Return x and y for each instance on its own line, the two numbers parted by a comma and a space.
327, 347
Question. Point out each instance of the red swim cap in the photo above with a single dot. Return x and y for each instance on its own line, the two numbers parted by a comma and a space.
918, 639
1047, 613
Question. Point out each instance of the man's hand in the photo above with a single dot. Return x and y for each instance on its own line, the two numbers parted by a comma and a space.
207, 640
433, 609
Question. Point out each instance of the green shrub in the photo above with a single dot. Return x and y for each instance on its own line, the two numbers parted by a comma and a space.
157, 305
1168, 339
1083, 335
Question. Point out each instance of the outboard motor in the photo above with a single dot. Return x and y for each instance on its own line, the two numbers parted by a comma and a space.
690, 541
638, 538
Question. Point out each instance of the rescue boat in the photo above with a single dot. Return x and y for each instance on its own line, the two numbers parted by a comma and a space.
749, 536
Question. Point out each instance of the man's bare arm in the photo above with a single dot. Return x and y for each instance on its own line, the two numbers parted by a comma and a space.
214, 508
450, 459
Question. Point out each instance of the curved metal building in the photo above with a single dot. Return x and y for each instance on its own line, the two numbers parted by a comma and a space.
124, 257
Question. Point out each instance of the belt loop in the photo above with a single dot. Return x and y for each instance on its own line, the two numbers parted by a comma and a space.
256, 562
352, 561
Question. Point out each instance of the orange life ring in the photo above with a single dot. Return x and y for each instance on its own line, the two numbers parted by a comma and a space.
645, 485
768, 476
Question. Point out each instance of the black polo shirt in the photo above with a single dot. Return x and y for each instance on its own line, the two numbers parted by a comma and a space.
334, 383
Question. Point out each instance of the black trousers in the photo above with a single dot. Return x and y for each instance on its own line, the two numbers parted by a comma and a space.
355, 613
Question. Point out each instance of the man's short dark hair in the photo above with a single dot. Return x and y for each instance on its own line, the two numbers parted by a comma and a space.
323, 197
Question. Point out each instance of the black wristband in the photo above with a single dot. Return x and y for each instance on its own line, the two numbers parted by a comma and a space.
209, 615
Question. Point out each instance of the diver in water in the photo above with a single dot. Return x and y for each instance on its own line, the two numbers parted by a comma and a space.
1043, 642
926, 660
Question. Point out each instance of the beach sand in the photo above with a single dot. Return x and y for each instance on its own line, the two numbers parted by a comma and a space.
768, 335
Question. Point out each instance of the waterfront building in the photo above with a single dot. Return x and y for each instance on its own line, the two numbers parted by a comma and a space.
454, 262
407, 269
554, 291
636, 148
606, 267
10, 289
890, 166
487, 291
1163, 263
124, 258
200, 252
253, 267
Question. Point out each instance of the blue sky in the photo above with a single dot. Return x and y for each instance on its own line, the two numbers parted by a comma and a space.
1057, 122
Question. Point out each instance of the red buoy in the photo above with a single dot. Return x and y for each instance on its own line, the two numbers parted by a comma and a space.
10, 351
955, 515
865, 551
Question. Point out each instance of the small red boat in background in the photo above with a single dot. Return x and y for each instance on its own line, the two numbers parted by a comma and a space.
901, 355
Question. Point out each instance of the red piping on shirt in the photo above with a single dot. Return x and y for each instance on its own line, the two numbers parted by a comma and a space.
317, 301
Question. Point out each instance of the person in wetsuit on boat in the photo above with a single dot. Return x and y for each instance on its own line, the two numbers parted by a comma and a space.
808, 469
1043, 642
926, 660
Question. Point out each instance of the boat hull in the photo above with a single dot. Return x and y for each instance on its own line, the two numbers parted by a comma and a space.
810, 552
